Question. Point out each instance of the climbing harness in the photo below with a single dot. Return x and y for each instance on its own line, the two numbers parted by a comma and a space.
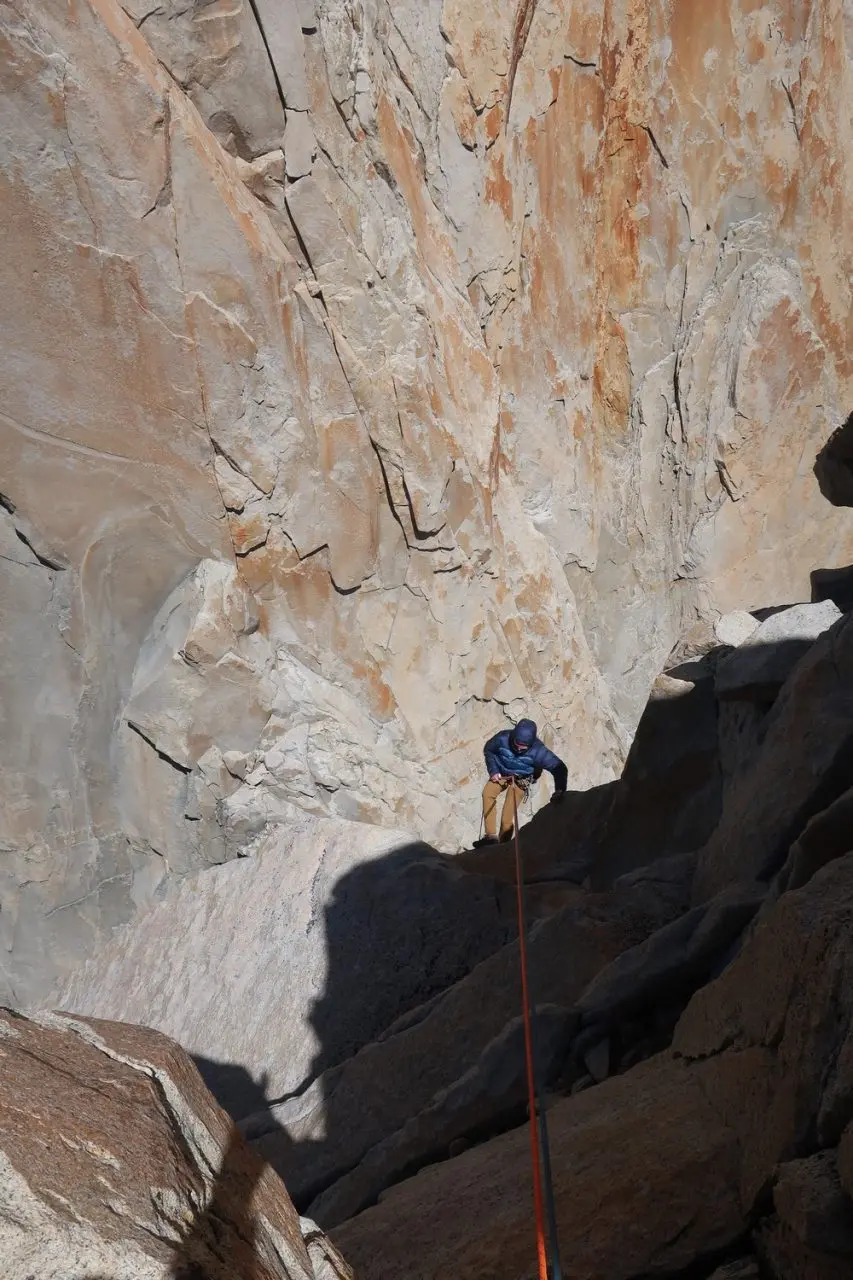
547, 1244
525, 786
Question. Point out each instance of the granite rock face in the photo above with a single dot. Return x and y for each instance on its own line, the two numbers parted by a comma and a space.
356, 404
116, 1162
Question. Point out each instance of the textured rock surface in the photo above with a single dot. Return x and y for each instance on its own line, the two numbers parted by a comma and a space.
808, 1198
764, 660
116, 1162
802, 765
285, 963
372, 1098
275, 970
734, 628
758, 1076
346, 416
789, 993
613, 1223
671, 962
491, 1095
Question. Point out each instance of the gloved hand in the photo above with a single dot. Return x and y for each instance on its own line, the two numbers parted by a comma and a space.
558, 797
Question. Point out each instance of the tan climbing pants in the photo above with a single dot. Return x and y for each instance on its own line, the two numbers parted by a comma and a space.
491, 795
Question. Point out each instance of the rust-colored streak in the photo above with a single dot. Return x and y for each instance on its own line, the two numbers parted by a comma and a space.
499, 189
623, 159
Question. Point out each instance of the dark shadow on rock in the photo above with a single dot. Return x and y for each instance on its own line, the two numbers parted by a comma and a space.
233, 1087
770, 611
399, 931
833, 467
835, 585
670, 794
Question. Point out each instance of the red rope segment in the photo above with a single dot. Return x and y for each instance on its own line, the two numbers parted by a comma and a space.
538, 1204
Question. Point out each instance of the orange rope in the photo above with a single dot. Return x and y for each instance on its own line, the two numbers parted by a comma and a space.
538, 1206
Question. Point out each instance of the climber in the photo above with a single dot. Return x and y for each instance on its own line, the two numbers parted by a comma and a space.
514, 759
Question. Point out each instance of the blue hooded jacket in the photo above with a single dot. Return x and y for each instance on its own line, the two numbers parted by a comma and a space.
501, 757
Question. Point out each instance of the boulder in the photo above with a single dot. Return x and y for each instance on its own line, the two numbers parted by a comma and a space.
116, 1162
809, 1199
788, 994
803, 764
735, 628
669, 964
286, 963
763, 661
479, 1219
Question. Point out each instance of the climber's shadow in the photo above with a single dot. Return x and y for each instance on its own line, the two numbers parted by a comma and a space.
399, 930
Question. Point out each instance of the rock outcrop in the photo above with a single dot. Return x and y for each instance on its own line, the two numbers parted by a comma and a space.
801, 766
376, 372
754, 1096
658, 1119
762, 662
116, 1162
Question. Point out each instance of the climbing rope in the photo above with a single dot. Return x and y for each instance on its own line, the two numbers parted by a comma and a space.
547, 1245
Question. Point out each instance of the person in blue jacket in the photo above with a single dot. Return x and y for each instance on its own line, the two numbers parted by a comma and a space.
514, 759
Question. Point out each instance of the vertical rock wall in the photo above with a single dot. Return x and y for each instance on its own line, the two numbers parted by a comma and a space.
348, 414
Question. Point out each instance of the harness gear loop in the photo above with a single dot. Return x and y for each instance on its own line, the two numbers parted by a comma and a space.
543, 1189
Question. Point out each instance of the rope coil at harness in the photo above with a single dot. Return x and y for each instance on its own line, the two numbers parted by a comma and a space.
547, 1245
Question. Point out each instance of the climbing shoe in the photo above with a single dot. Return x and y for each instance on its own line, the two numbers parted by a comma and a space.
478, 844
